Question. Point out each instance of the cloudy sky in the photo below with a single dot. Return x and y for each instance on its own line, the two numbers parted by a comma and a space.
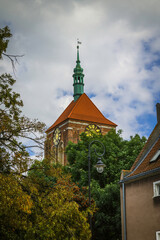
120, 55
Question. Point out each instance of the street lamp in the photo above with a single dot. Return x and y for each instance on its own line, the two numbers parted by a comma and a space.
99, 166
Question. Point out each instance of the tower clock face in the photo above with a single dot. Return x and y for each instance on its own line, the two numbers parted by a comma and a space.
92, 128
56, 136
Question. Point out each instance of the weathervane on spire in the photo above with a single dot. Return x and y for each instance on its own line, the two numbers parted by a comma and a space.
78, 42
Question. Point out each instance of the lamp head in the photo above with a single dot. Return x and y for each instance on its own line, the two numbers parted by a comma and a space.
100, 166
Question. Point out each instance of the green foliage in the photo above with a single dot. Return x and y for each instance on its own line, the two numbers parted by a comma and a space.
4, 39
13, 126
107, 218
44, 205
59, 211
42, 175
119, 154
15, 207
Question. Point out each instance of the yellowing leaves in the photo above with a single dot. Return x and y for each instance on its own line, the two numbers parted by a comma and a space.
33, 211
12, 195
15, 206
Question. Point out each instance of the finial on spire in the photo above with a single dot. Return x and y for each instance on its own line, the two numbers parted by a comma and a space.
78, 43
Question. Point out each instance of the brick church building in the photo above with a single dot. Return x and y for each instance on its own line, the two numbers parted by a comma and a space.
81, 115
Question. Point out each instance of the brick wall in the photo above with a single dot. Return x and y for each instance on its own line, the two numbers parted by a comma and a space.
70, 131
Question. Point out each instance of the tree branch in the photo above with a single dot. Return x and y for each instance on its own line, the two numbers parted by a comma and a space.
13, 59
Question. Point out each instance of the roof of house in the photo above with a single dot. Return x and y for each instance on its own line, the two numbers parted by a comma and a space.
82, 109
143, 164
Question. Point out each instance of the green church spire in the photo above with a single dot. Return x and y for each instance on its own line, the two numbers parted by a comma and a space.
78, 75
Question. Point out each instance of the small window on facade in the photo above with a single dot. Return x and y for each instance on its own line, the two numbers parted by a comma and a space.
158, 235
78, 79
155, 157
156, 189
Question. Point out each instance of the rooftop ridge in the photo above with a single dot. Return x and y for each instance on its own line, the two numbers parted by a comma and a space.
76, 102
82, 109
65, 110
142, 163
151, 140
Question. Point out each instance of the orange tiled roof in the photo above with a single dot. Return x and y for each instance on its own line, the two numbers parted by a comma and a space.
82, 109
142, 163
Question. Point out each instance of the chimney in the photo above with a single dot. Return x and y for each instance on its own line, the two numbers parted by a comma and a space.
158, 112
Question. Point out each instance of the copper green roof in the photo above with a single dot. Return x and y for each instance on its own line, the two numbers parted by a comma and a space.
78, 75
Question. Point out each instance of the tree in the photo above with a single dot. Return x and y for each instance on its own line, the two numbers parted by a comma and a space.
15, 208
13, 125
60, 211
120, 154
43, 204
15, 204
5, 35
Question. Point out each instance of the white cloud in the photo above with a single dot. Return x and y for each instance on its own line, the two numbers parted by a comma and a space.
119, 40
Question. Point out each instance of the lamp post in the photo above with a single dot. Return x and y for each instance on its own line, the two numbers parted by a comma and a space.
99, 166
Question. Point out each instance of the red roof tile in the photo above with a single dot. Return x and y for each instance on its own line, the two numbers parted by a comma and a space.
82, 109
146, 165
142, 163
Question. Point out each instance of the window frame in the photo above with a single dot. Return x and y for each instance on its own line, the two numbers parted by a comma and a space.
155, 156
156, 189
158, 235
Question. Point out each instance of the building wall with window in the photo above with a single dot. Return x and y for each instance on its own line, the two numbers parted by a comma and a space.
142, 209
140, 192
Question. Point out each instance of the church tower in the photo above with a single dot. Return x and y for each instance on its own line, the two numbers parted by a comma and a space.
81, 115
